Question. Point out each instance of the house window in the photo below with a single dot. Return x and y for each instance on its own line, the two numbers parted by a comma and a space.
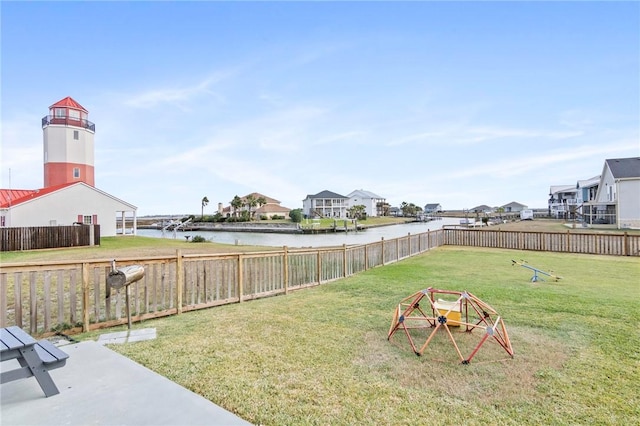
76, 172
60, 112
76, 135
86, 220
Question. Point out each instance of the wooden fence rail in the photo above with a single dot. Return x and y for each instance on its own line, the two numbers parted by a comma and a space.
51, 296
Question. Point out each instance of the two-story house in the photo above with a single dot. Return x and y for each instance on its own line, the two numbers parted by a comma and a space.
432, 208
563, 201
325, 204
617, 200
373, 203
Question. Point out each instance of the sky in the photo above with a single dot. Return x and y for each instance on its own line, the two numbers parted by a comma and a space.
455, 103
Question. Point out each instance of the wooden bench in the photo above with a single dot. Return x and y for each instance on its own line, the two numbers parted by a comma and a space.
36, 358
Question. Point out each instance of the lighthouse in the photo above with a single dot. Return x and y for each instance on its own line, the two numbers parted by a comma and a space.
68, 144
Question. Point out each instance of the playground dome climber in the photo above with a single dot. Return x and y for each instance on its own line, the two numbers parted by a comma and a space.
467, 313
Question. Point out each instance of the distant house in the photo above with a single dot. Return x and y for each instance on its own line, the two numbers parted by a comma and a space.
432, 208
374, 204
617, 200
482, 209
513, 207
586, 190
563, 201
325, 204
395, 212
270, 208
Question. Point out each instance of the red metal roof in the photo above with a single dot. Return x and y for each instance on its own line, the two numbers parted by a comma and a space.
13, 197
68, 102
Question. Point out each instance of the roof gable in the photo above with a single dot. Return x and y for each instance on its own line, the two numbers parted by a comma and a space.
257, 195
326, 194
514, 204
622, 168
364, 194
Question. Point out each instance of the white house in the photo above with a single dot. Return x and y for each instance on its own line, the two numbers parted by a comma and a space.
563, 201
66, 204
69, 195
373, 203
617, 199
513, 207
325, 204
432, 208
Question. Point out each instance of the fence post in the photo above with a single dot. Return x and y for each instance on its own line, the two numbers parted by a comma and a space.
85, 297
179, 280
344, 260
285, 267
409, 236
319, 267
240, 278
625, 244
382, 251
366, 257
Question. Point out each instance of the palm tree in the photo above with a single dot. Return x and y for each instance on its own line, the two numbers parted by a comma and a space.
205, 201
236, 203
250, 202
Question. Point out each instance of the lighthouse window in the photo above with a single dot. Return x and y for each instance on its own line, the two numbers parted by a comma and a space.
74, 114
60, 112
86, 220
76, 135
76, 172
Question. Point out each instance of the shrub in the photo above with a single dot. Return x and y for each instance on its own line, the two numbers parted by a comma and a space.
296, 215
198, 239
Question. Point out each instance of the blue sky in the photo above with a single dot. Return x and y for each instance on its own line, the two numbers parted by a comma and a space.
454, 103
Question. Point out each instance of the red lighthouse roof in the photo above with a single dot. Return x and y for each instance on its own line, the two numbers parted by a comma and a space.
68, 102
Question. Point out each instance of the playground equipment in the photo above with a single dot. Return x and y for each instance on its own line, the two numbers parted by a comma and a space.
467, 313
536, 271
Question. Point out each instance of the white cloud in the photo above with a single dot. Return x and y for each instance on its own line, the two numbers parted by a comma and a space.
177, 96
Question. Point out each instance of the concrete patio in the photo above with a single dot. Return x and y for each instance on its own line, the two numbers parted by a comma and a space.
101, 387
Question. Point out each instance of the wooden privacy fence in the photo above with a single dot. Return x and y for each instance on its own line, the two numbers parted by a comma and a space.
42, 237
56, 296
48, 296
565, 242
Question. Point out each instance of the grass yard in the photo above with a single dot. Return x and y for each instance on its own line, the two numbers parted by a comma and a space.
321, 355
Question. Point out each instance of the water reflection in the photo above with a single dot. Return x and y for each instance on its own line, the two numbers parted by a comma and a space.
305, 240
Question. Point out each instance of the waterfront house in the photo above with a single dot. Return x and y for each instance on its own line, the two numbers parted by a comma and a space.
325, 204
563, 201
374, 204
432, 208
271, 207
513, 207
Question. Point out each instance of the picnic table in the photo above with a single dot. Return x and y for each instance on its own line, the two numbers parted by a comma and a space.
36, 358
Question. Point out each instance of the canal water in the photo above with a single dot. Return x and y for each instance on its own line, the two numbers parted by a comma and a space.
308, 240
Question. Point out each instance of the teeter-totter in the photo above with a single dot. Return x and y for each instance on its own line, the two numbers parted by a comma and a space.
536, 271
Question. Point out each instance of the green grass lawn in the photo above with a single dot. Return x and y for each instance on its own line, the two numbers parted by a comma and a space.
321, 356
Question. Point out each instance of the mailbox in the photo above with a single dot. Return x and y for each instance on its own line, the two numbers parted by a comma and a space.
123, 277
